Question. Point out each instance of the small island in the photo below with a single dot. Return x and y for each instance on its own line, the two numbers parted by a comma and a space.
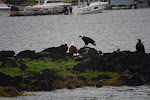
53, 68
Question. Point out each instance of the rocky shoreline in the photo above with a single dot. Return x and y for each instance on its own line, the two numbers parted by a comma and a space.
39, 72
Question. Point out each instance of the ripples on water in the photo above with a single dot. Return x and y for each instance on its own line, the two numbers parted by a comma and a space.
90, 93
111, 29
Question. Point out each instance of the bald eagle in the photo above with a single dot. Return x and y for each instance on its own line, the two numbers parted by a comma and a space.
88, 40
140, 46
72, 49
64, 46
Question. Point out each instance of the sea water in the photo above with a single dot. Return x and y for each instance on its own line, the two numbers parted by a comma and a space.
90, 93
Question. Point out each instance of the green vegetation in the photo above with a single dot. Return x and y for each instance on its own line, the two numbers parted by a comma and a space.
63, 68
11, 71
44, 53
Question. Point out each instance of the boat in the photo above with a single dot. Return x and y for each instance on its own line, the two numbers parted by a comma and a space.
49, 4
4, 8
87, 7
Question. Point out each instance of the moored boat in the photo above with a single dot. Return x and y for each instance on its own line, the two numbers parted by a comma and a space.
89, 7
50, 4
4, 8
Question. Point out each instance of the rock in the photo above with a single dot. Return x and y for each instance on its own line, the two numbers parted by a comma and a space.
9, 62
9, 92
117, 62
134, 80
90, 51
100, 77
57, 53
81, 66
26, 54
6, 80
23, 66
5, 54
43, 81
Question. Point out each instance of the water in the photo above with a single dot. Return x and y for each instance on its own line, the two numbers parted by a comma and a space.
90, 93
111, 29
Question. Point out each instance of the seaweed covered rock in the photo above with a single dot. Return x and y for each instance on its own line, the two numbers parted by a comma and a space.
9, 92
43, 81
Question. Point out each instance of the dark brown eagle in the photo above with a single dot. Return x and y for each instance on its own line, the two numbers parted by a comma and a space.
140, 46
88, 40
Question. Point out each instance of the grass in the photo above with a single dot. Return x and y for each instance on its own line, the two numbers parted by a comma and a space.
11, 71
63, 68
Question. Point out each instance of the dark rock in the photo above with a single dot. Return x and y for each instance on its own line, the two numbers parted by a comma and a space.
23, 66
81, 78
147, 78
9, 63
57, 53
90, 51
6, 80
134, 80
99, 77
81, 66
26, 54
99, 85
5, 54
117, 62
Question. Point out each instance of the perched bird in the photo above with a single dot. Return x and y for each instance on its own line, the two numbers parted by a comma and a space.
118, 50
140, 46
64, 46
87, 40
73, 49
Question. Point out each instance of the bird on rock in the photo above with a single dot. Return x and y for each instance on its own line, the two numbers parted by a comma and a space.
73, 49
140, 46
64, 46
87, 40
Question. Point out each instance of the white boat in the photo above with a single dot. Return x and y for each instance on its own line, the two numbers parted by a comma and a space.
89, 7
4, 8
47, 4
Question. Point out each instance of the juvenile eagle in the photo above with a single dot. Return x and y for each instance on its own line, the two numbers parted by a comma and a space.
87, 40
140, 46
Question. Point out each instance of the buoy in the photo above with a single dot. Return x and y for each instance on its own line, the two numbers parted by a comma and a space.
132, 7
